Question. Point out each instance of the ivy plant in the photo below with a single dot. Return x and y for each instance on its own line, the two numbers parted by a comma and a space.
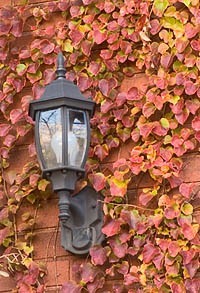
152, 243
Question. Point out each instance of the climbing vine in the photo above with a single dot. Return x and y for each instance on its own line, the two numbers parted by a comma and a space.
152, 241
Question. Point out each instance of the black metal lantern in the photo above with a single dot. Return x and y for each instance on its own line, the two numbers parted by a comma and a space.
62, 137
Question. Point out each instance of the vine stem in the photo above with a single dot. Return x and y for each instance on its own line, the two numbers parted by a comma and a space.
128, 205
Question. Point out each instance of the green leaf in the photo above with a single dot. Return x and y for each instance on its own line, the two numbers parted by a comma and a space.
21, 68
159, 6
67, 46
164, 122
173, 24
43, 184
187, 208
187, 2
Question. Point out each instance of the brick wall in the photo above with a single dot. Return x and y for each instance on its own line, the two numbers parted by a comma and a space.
47, 248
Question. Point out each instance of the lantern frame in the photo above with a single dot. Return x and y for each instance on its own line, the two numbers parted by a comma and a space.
81, 215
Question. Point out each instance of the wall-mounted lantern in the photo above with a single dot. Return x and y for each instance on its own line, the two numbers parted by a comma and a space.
62, 138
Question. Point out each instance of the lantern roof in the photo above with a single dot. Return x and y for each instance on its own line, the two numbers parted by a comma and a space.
61, 92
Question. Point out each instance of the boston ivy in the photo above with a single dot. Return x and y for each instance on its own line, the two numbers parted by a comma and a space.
152, 244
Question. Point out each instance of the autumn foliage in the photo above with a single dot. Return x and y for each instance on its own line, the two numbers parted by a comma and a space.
152, 241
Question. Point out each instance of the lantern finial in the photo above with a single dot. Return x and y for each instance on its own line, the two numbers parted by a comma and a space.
60, 66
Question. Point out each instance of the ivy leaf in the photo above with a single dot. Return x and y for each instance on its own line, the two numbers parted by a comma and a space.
16, 115
149, 252
187, 209
190, 231
3, 234
42, 185
118, 248
159, 6
4, 129
17, 27
101, 151
196, 123
111, 228
192, 267
21, 69
186, 189
118, 187
98, 181
100, 36
98, 255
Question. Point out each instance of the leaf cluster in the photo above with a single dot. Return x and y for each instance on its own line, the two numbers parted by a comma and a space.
152, 244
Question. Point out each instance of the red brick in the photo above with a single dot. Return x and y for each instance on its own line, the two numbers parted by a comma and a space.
139, 80
6, 284
2, 2
46, 215
58, 272
47, 244
190, 171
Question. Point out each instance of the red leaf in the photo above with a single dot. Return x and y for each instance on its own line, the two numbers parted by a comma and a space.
145, 198
148, 109
186, 189
196, 123
84, 82
158, 261
101, 151
3, 234
3, 214
98, 181
17, 27
38, 90
4, 129
33, 179
192, 105
166, 60
25, 101
32, 276
106, 54
5, 27
49, 75
9, 139
192, 286
16, 115
118, 248
98, 255
173, 248
46, 47
182, 117
111, 228
190, 87
188, 255
94, 68
76, 37
192, 267
104, 87
195, 44
88, 272
86, 47
188, 231
133, 94
71, 287
149, 252
190, 30
100, 36
171, 213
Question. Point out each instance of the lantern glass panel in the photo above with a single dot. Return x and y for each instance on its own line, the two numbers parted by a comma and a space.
77, 137
50, 135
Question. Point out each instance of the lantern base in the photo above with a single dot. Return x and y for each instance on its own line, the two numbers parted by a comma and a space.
63, 179
81, 219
